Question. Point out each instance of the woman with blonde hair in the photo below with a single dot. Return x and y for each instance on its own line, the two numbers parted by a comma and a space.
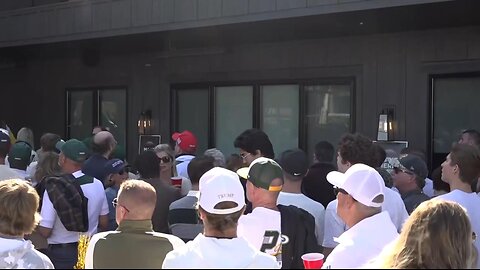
18, 216
168, 167
437, 235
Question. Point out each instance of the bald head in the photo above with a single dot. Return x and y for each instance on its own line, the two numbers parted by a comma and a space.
139, 197
103, 143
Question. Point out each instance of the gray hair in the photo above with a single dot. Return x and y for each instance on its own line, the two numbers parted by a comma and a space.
217, 156
26, 135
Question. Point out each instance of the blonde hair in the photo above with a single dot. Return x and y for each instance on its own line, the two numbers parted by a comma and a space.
139, 196
438, 234
26, 135
167, 149
47, 166
18, 207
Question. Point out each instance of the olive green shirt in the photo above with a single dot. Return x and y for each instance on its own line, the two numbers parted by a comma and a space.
133, 245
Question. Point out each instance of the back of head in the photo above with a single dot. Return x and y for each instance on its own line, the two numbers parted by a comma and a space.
474, 137
103, 142
437, 235
467, 157
47, 165
219, 158
254, 139
198, 166
48, 142
4, 142
139, 197
234, 162
324, 151
294, 163
18, 208
20, 155
357, 148
26, 134
380, 155
148, 165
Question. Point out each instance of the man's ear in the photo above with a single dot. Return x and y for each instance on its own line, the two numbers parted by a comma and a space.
258, 153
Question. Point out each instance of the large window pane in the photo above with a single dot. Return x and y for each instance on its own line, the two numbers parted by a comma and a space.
233, 115
80, 114
455, 108
328, 113
279, 119
114, 113
193, 115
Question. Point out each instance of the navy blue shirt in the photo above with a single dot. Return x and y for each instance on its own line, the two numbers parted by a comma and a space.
95, 166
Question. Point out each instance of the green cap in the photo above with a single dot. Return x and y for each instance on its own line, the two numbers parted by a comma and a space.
261, 173
20, 153
73, 149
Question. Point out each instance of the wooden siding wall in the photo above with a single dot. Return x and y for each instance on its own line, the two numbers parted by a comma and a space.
390, 69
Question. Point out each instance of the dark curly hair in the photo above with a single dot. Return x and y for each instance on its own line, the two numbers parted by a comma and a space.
357, 148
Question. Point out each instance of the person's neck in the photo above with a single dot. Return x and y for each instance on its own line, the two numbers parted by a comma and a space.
228, 233
195, 187
403, 191
265, 204
458, 184
292, 187
166, 176
355, 218
71, 169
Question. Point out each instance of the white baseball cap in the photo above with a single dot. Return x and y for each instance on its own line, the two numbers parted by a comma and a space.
362, 182
220, 185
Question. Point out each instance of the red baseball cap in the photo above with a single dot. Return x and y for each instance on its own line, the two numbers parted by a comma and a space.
185, 140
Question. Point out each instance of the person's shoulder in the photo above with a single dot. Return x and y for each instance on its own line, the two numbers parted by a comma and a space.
41, 259
332, 205
264, 260
174, 240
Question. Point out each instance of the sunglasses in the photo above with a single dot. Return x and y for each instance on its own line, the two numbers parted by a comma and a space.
398, 170
244, 155
115, 203
165, 159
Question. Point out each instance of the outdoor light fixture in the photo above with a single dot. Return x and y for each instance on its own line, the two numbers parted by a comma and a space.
385, 125
145, 122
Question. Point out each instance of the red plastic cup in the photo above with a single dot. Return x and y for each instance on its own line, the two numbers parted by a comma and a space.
312, 260
176, 181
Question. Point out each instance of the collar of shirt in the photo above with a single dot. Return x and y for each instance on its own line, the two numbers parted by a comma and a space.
366, 228
135, 226
194, 193
78, 174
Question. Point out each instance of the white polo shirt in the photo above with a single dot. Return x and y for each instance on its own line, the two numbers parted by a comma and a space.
97, 206
334, 225
362, 243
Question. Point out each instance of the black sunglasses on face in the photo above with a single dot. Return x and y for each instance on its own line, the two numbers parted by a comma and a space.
165, 159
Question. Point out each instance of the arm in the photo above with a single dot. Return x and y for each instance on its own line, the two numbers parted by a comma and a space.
102, 223
334, 227
49, 215
43, 231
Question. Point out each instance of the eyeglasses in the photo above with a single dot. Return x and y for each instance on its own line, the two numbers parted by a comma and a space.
115, 203
165, 159
337, 190
244, 155
397, 170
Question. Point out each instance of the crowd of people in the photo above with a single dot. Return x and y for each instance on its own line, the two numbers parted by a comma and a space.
357, 204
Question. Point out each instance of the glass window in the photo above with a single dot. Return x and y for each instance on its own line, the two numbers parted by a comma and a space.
192, 109
233, 115
279, 115
455, 108
114, 113
80, 114
328, 114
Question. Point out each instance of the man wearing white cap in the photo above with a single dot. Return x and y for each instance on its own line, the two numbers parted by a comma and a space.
220, 205
360, 193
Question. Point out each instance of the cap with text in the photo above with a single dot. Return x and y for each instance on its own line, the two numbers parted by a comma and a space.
114, 166
220, 185
73, 149
360, 181
294, 162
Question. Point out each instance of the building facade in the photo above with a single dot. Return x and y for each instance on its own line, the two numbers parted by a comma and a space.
302, 70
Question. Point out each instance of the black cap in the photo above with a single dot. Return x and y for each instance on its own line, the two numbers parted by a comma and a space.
414, 164
294, 162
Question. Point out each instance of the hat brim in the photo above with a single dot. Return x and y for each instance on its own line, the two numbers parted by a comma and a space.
243, 172
336, 178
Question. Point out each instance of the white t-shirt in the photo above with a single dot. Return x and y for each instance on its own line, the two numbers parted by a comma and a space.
260, 225
471, 202
315, 209
7, 173
210, 252
97, 206
428, 188
182, 164
362, 243
334, 225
